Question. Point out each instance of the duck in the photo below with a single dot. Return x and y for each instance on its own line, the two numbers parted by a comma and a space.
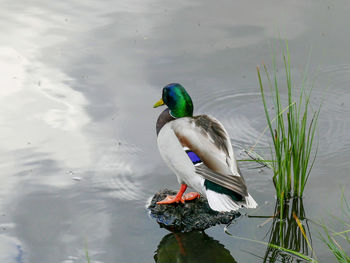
199, 151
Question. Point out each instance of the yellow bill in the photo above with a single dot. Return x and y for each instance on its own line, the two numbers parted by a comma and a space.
158, 103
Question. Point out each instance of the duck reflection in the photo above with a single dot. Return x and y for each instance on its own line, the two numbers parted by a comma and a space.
191, 248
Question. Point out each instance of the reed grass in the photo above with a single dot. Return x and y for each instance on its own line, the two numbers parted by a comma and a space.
289, 239
292, 253
292, 128
86, 252
292, 232
335, 241
333, 245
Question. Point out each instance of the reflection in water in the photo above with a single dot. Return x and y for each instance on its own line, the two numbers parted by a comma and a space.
191, 247
287, 234
11, 251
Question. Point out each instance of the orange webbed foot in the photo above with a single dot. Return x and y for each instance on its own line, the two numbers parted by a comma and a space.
190, 196
170, 199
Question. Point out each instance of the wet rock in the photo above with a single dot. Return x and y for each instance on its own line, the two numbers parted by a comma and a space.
193, 215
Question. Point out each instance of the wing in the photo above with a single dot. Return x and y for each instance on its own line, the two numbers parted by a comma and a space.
207, 139
234, 183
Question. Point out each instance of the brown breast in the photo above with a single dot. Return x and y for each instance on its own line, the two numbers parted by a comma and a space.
163, 119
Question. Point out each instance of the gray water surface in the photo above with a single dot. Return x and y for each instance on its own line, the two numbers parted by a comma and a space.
77, 129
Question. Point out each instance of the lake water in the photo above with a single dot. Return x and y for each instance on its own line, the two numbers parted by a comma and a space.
78, 145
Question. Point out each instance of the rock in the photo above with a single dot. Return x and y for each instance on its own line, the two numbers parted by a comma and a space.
193, 215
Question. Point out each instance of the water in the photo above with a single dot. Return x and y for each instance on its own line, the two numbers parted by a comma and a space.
78, 143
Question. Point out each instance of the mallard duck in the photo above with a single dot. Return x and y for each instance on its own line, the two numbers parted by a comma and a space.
198, 150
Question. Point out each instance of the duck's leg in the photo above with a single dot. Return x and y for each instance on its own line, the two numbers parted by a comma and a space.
175, 199
170, 199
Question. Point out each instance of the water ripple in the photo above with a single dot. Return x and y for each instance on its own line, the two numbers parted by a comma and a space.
334, 122
118, 173
239, 112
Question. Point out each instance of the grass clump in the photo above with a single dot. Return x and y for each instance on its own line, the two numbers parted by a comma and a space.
292, 130
335, 241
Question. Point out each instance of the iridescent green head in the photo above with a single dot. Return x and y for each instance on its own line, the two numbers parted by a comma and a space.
177, 99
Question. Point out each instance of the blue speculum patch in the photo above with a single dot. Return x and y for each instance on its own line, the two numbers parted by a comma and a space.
194, 157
